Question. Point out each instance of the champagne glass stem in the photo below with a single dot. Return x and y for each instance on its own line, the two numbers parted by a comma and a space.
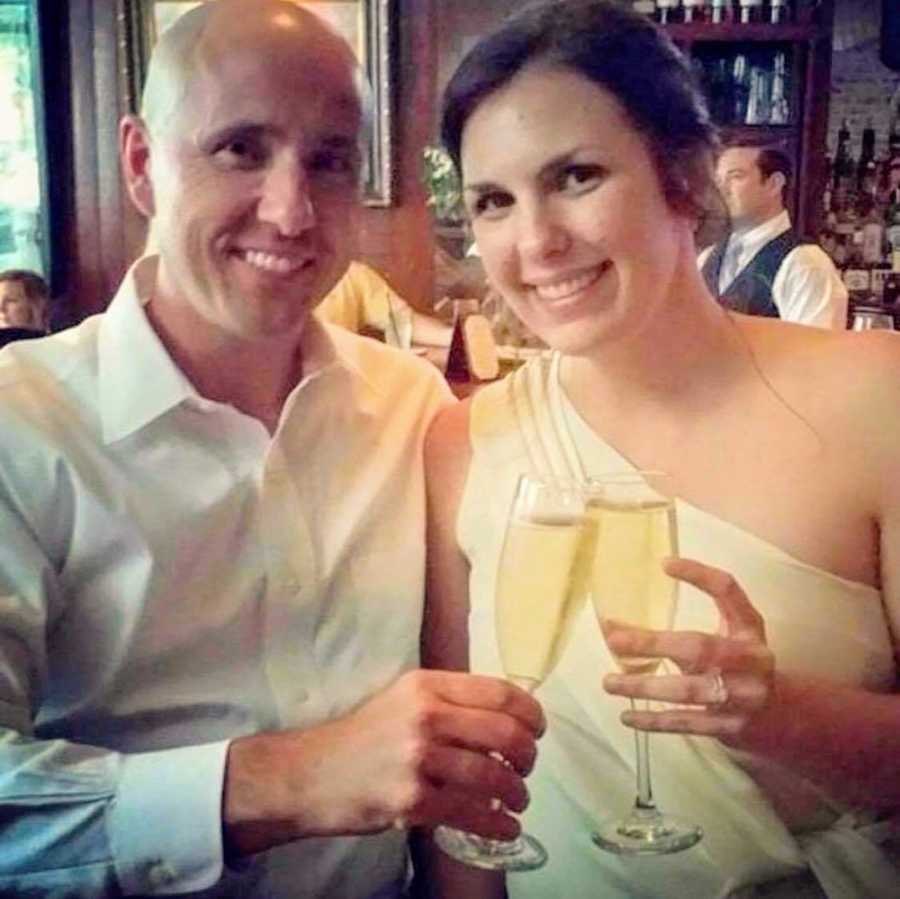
642, 755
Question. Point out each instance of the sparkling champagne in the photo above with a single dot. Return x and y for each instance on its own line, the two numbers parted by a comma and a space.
542, 583
628, 583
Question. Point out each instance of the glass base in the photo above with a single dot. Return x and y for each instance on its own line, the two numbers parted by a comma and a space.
646, 831
524, 853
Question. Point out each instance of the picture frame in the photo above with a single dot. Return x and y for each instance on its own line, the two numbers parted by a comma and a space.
366, 24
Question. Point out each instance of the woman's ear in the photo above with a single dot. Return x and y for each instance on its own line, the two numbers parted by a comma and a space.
134, 151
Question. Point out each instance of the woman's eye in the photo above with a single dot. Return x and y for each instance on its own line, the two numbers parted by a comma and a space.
579, 177
490, 204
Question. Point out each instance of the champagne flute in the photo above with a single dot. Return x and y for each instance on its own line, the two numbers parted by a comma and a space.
636, 531
542, 582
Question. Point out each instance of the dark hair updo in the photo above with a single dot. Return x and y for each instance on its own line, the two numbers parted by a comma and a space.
622, 52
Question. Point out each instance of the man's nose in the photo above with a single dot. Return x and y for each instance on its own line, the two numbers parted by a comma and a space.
287, 201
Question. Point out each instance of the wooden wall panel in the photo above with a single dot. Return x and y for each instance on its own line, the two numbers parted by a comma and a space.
398, 240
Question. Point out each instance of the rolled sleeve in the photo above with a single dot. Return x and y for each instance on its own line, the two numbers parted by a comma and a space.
808, 289
165, 824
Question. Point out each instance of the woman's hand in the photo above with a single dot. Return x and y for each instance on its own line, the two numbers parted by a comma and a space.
725, 678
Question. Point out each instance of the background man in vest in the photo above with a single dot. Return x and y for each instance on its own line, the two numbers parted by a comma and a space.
762, 267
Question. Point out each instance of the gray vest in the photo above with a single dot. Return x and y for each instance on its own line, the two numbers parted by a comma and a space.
751, 291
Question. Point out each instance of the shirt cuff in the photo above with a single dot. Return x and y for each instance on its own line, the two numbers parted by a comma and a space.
165, 824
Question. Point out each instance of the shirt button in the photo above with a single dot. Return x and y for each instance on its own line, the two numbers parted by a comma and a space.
160, 874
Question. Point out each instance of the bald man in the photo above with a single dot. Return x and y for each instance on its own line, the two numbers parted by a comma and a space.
212, 517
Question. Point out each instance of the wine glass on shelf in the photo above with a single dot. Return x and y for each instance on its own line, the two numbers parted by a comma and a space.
543, 580
635, 531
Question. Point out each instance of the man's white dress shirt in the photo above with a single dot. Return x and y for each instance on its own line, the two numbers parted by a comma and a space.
807, 288
172, 577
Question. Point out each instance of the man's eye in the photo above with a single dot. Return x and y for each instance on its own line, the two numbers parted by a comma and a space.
331, 163
240, 153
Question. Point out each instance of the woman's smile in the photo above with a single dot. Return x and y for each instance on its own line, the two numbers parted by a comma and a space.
569, 286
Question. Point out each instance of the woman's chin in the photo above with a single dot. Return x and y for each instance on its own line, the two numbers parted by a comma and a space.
573, 338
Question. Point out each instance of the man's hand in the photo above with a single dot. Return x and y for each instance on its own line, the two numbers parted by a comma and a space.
419, 752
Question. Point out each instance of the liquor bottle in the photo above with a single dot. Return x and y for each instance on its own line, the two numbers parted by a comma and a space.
758, 103
892, 225
751, 11
844, 170
872, 233
780, 110
880, 275
740, 84
694, 11
667, 10
843, 161
894, 128
858, 283
839, 254
866, 156
779, 11
719, 89
890, 296
719, 11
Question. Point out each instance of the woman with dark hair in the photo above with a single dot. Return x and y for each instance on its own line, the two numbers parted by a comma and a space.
586, 154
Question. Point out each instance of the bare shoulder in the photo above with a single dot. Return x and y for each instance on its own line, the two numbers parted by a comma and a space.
449, 432
862, 369
841, 379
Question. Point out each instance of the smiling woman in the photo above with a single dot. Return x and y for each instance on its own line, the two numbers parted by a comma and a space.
586, 156
365, 24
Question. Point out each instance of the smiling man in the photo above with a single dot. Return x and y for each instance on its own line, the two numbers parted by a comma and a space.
762, 267
212, 526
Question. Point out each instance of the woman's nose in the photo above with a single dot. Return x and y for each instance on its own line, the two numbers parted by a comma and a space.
541, 235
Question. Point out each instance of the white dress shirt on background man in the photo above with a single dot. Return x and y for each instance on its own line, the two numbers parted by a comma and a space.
157, 616
807, 288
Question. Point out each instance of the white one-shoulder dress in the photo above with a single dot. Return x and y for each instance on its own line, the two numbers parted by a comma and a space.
816, 623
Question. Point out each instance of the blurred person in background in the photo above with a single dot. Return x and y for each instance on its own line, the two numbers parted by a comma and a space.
363, 302
24, 305
762, 267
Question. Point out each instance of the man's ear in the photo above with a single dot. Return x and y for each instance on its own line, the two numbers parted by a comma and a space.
134, 152
776, 182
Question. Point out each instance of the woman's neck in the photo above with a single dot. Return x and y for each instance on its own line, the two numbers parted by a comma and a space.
684, 355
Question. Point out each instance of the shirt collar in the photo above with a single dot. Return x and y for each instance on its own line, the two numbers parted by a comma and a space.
139, 381
753, 239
